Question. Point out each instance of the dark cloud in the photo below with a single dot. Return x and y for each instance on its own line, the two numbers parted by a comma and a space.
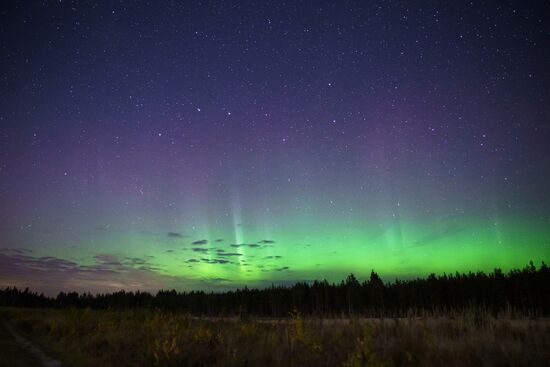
264, 242
192, 261
169, 251
22, 266
108, 259
200, 242
20, 251
174, 235
265, 269
272, 257
149, 268
251, 245
51, 275
132, 261
216, 261
229, 254
199, 249
219, 240
129, 262
56, 262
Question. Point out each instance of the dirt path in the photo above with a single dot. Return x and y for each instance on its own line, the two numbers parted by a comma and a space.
29, 348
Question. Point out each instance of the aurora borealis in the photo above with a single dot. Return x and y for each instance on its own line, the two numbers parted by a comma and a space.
212, 145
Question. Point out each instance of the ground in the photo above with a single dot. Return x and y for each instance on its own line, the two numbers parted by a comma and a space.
11, 353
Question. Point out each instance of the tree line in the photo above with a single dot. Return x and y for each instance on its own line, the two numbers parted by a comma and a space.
522, 291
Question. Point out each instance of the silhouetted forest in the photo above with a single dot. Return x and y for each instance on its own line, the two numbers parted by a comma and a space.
525, 291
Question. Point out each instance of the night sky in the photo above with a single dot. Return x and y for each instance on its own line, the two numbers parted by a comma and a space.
212, 145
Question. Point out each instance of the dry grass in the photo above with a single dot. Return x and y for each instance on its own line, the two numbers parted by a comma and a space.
151, 338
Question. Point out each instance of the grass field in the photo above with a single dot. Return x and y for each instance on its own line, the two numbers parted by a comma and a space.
154, 338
